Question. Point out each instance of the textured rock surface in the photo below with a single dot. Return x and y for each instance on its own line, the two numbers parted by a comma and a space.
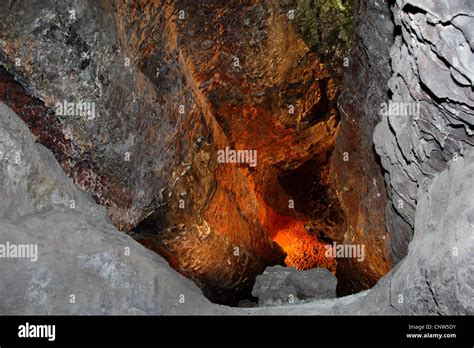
437, 274
354, 164
432, 65
429, 161
430, 38
316, 283
326, 26
271, 287
80, 252
172, 83
74, 56
285, 285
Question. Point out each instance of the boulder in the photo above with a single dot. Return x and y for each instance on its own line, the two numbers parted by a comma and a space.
280, 285
82, 264
316, 283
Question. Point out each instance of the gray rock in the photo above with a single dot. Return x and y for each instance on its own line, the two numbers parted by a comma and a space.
316, 283
82, 254
436, 276
271, 287
432, 65
82, 258
358, 180
285, 285
139, 153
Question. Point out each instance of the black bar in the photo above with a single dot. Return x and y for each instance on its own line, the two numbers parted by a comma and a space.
290, 331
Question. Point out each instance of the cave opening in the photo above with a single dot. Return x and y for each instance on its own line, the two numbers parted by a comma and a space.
299, 211
240, 149
322, 218
222, 224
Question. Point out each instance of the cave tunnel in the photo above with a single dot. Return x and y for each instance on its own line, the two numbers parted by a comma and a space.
246, 127
243, 141
264, 92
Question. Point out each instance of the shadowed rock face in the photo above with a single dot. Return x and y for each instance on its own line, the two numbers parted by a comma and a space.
430, 64
172, 84
78, 243
415, 147
327, 28
356, 171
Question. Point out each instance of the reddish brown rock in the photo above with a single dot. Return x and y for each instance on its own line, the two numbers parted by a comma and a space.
174, 83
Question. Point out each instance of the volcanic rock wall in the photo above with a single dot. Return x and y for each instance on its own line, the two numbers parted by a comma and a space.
422, 111
435, 276
172, 83
357, 174
70, 52
431, 78
80, 254
433, 69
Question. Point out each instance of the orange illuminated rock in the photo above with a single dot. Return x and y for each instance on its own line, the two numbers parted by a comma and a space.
174, 84
303, 250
